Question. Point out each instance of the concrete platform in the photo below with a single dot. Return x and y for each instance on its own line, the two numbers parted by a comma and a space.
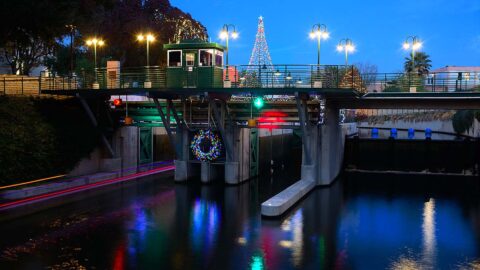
280, 203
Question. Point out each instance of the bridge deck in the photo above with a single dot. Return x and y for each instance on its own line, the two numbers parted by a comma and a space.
343, 98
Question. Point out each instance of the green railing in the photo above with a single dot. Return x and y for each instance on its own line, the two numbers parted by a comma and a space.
243, 76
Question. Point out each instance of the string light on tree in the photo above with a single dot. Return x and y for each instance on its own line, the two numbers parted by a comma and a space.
260, 60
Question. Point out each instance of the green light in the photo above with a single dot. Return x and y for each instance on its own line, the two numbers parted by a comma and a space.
257, 263
258, 102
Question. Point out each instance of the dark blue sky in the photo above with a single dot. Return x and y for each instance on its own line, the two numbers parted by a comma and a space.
450, 29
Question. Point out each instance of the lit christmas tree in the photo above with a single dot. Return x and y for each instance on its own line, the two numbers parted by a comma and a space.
260, 64
352, 79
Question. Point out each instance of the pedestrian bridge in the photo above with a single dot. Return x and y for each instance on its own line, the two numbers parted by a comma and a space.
307, 98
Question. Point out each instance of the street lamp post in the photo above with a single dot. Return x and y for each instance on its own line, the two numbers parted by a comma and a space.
148, 38
72, 28
346, 45
225, 34
319, 31
413, 43
95, 42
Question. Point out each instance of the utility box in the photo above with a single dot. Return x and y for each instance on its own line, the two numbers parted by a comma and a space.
113, 74
194, 64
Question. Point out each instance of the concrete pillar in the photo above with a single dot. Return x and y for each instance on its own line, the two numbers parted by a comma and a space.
330, 156
209, 172
238, 169
125, 144
325, 146
184, 169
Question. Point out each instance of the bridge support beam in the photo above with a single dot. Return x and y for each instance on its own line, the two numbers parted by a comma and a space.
330, 153
237, 170
93, 119
322, 154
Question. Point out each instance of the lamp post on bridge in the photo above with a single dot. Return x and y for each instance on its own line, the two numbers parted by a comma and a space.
225, 35
413, 43
319, 32
148, 38
100, 43
346, 45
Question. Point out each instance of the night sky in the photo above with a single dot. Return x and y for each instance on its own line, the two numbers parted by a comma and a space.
449, 29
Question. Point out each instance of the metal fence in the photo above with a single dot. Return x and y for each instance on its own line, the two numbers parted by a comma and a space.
243, 76
431, 82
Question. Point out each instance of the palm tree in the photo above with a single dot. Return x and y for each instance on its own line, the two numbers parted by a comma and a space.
422, 63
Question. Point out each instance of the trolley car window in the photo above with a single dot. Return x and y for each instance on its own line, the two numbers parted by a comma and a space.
189, 59
175, 58
206, 58
218, 58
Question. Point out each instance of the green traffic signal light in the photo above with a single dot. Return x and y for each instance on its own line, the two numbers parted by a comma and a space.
258, 102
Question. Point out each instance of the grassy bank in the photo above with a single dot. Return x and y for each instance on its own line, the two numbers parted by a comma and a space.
42, 137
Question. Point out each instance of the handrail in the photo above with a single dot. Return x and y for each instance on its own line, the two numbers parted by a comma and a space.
245, 76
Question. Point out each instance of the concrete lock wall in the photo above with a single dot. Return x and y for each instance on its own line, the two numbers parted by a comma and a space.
125, 146
326, 149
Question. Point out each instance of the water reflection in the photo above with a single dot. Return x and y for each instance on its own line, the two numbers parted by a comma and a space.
205, 222
294, 228
217, 227
429, 241
428, 254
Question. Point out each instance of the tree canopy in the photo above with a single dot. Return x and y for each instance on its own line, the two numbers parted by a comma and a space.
32, 32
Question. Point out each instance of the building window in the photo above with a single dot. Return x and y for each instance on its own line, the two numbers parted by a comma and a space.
218, 58
174, 58
189, 59
206, 58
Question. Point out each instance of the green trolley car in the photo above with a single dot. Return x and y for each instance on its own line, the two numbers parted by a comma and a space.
194, 64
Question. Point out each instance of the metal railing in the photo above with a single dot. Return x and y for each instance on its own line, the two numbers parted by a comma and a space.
295, 76
243, 76
431, 82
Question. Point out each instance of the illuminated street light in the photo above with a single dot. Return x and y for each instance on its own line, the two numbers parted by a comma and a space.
224, 35
148, 38
95, 42
100, 43
347, 46
413, 43
319, 32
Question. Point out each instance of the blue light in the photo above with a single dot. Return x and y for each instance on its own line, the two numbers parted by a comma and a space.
411, 133
428, 133
393, 133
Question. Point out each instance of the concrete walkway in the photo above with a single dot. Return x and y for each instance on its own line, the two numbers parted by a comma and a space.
66, 183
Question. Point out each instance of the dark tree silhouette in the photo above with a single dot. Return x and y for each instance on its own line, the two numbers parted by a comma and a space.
422, 63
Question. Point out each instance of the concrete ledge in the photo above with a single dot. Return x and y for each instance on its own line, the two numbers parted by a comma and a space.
110, 164
280, 203
56, 186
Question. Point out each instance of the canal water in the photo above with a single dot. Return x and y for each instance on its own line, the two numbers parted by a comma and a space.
363, 221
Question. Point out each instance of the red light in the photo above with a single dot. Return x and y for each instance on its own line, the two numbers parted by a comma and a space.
271, 119
117, 102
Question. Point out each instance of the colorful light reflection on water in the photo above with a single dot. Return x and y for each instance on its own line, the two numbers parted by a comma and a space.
213, 227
